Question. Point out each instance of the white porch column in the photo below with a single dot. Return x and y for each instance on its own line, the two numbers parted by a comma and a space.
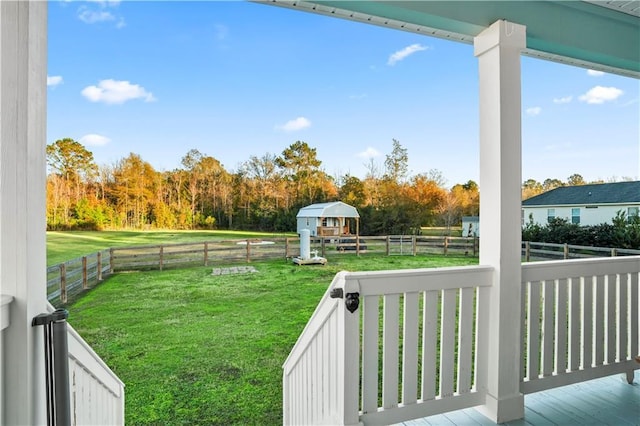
498, 51
23, 73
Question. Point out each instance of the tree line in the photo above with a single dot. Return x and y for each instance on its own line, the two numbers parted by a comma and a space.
531, 187
264, 193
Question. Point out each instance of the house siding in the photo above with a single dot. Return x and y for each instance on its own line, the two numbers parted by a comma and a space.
591, 215
310, 223
598, 203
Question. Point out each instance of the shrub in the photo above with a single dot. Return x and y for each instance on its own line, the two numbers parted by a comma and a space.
622, 233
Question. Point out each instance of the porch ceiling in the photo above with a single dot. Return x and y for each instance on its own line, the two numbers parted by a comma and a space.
600, 35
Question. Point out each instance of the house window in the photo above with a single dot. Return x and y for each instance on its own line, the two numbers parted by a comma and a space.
324, 221
575, 216
632, 214
551, 214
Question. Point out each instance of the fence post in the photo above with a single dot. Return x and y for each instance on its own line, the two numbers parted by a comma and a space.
248, 251
84, 273
161, 255
614, 252
63, 283
286, 248
476, 241
527, 251
99, 261
566, 251
348, 359
446, 245
111, 261
414, 243
206, 253
322, 244
388, 245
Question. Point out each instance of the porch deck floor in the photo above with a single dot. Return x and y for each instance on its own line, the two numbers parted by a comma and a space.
607, 401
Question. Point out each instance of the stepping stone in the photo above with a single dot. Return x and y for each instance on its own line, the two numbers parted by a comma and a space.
234, 270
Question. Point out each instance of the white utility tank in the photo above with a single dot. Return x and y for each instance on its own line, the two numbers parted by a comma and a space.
305, 244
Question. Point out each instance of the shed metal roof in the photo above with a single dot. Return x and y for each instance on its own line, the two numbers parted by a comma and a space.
333, 209
604, 193
601, 35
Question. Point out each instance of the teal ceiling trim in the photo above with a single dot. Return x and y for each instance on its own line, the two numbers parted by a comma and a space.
576, 30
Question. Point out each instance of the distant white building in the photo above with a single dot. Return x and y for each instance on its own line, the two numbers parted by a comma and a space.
328, 219
470, 226
584, 205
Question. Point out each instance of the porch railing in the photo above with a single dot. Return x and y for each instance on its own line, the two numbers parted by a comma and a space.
96, 393
415, 344
5, 306
315, 381
345, 367
580, 321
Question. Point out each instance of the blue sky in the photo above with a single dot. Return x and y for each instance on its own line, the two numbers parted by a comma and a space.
237, 79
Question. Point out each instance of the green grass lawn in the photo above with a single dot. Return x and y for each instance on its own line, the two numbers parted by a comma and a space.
63, 246
193, 348
439, 231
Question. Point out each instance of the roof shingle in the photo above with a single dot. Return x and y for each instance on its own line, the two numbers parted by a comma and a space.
603, 193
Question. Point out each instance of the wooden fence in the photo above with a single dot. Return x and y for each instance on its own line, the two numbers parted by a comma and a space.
74, 276
532, 251
216, 252
70, 278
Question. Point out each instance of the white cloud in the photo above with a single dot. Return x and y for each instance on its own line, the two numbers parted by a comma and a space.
533, 111
404, 53
116, 92
630, 102
54, 80
295, 124
369, 153
93, 139
105, 3
100, 11
563, 100
594, 73
92, 16
600, 95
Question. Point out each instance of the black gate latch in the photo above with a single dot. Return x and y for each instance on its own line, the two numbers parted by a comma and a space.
351, 302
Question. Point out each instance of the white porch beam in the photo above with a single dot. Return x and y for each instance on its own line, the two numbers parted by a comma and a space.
498, 51
23, 73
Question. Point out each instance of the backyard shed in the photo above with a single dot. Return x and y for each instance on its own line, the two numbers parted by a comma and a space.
328, 219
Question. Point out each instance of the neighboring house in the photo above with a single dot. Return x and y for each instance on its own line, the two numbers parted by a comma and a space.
470, 226
328, 219
585, 204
